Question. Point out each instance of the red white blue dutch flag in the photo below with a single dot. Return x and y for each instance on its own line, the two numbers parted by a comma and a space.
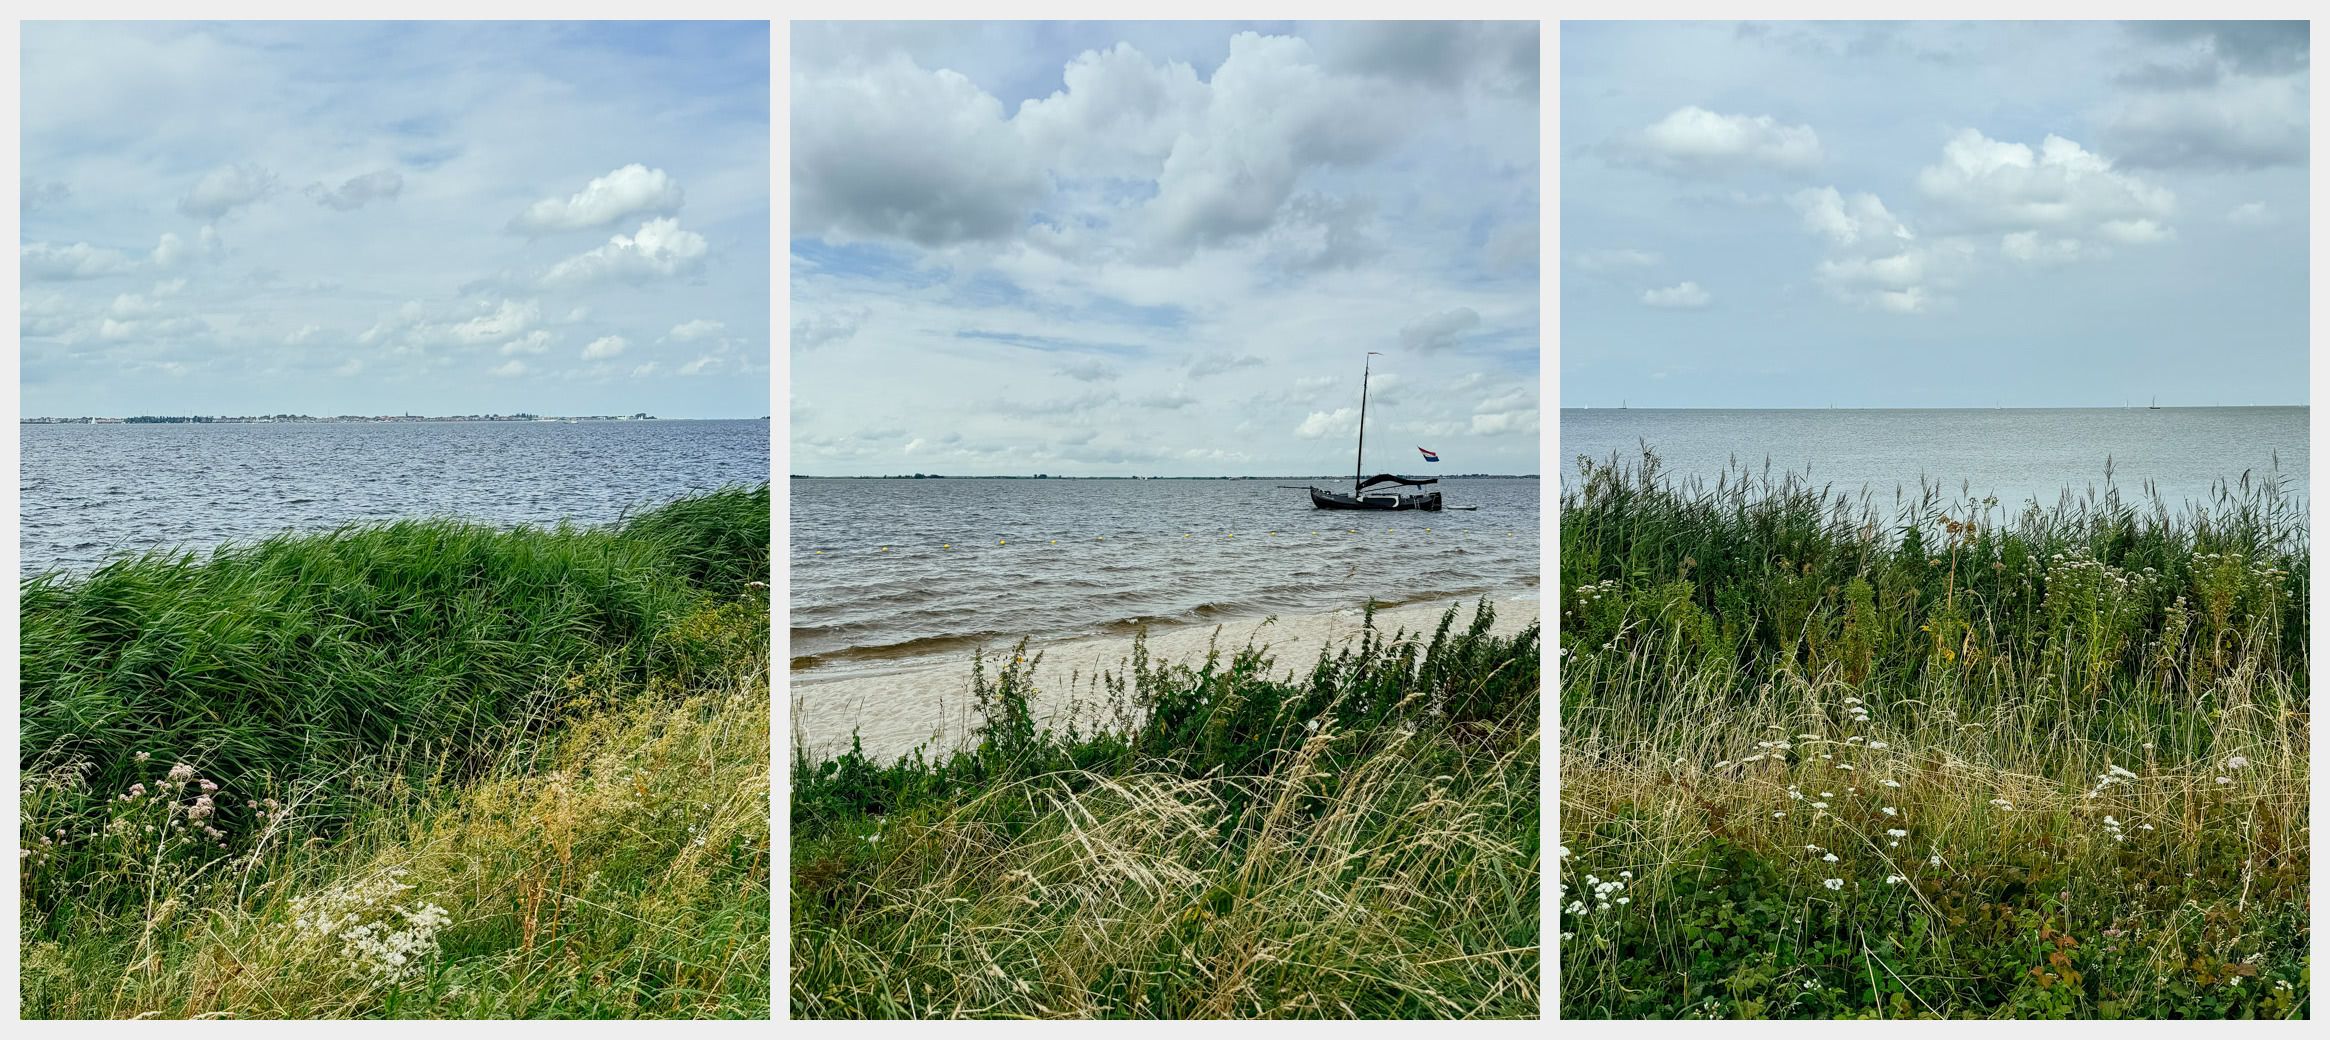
1430, 455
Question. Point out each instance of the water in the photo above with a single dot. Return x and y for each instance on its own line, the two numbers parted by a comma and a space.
1099, 556
91, 493
2016, 455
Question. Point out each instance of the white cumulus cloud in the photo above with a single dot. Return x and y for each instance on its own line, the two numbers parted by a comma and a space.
1686, 296
604, 347
1693, 139
626, 192
661, 249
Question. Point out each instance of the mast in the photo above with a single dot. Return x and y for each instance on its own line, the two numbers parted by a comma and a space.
1357, 467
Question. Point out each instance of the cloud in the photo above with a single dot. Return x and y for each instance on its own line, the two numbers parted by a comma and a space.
1861, 220
626, 192
1516, 421
812, 331
1090, 371
1272, 114
302, 335
1118, 114
510, 368
604, 347
701, 366
1167, 401
1439, 331
172, 251
509, 319
2001, 185
2136, 232
226, 189
2030, 247
1613, 259
354, 192
535, 342
888, 150
1342, 422
1686, 296
2252, 213
661, 249
1220, 362
44, 262
691, 331
1696, 141
2239, 122
35, 196
648, 369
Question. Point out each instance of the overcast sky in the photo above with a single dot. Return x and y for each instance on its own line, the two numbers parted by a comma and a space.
1933, 214
380, 218
1123, 248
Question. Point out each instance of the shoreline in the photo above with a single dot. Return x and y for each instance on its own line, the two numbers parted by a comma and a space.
928, 703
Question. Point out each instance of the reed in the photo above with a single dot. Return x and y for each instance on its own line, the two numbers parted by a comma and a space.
1821, 758
534, 725
1357, 841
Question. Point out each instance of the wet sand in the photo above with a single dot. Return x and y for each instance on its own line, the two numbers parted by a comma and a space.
930, 704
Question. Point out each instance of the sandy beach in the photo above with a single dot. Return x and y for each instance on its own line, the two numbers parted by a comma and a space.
930, 704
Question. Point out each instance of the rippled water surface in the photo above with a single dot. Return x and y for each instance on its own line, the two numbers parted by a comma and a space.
91, 492
976, 560
2016, 454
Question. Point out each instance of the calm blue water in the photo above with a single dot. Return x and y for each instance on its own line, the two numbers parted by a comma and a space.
2017, 455
972, 561
91, 493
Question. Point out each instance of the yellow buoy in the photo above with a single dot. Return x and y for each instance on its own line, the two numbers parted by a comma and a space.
1055, 541
946, 546
999, 541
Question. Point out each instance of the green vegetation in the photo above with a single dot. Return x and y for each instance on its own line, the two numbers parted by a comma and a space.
1360, 841
1823, 761
422, 769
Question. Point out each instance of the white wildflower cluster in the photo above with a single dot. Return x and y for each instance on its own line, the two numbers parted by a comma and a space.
2111, 775
1834, 884
2236, 763
1604, 893
1894, 879
1859, 710
371, 928
2112, 827
2002, 803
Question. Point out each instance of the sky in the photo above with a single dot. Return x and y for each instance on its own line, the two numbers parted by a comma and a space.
1108, 249
378, 218
1933, 214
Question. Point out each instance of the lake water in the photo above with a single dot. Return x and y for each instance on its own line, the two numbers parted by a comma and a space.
2017, 455
91, 493
973, 561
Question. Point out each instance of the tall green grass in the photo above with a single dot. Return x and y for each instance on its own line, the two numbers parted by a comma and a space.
1360, 840
1939, 759
420, 647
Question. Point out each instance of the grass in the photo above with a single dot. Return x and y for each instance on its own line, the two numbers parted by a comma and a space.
531, 763
1821, 759
1357, 841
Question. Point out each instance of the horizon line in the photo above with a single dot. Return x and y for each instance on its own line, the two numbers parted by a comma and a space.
1921, 407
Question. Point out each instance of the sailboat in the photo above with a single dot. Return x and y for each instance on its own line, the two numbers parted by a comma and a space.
1361, 497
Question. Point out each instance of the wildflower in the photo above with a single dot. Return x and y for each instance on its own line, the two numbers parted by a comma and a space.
1779, 815
1828, 794
1889, 811
2002, 803
1934, 860
1626, 874
142, 756
181, 773
1563, 851
2236, 762
1834, 883
1820, 805
1623, 900
1812, 848
1894, 879
1897, 832
1725, 764
1830, 858
1844, 765
2121, 773
1893, 783
2224, 779
1795, 795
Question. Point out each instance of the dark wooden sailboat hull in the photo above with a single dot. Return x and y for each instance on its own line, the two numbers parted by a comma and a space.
1428, 501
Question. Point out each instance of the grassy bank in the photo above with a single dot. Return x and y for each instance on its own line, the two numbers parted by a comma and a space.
1932, 759
1360, 841
416, 769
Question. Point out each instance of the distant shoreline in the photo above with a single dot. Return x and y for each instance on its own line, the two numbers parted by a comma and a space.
1056, 476
1930, 408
